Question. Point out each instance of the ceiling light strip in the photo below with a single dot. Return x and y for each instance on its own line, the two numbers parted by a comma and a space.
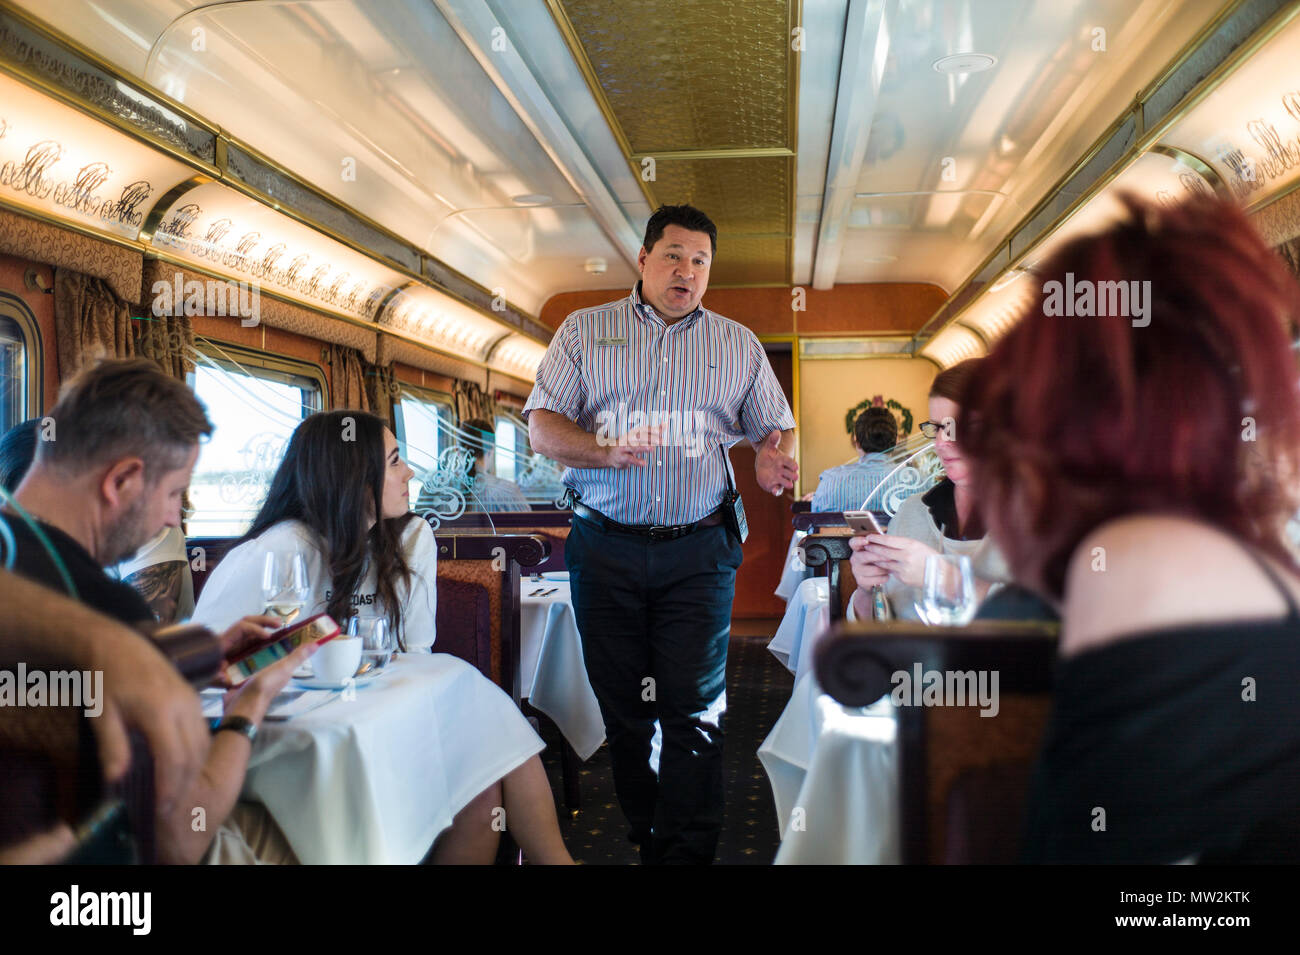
866, 46
947, 315
473, 21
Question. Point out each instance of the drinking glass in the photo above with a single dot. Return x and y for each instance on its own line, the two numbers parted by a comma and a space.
284, 584
948, 597
376, 641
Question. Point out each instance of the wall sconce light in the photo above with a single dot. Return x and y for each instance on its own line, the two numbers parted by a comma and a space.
34, 280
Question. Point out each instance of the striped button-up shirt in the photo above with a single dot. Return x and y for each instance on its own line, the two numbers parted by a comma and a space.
861, 485
705, 378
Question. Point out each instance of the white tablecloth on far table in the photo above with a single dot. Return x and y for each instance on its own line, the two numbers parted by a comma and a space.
807, 616
376, 778
834, 775
553, 675
794, 570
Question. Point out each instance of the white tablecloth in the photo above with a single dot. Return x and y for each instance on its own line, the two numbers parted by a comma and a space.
834, 775
794, 570
807, 616
553, 676
376, 778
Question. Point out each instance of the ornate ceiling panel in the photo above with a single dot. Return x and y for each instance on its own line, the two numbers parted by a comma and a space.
702, 100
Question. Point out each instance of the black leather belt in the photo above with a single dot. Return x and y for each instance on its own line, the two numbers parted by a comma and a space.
656, 532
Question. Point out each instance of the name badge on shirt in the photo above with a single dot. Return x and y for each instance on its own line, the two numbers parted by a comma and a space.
611, 341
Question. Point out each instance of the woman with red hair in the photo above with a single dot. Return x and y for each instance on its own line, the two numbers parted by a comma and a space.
1138, 471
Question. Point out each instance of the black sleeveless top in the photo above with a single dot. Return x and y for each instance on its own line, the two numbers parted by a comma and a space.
1183, 743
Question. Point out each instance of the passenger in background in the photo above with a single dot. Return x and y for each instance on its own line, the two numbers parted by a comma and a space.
860, 485
1138, 469
160, 573
489, 492
342, 504
125, 441
17, 449
943, 520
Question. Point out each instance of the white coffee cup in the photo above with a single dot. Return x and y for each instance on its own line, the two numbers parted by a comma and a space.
336, 660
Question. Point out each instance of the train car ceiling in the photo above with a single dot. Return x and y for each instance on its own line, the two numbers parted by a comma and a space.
455, 164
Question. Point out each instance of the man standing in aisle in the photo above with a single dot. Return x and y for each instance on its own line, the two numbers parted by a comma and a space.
640, 399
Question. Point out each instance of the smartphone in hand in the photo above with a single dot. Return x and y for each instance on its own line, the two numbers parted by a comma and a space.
280, 644
864, 522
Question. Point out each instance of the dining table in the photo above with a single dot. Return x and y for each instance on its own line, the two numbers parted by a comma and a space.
374, 774
834, 776
833, 769
794, 571
807, 615
553, 675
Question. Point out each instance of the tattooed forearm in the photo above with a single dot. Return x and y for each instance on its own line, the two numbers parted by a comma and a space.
160, 586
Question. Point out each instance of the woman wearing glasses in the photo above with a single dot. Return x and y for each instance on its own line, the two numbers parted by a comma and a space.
944, 520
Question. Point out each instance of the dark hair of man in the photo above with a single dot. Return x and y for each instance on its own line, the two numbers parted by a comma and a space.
481, 437
332, 480
688, 217
120, 408
17, 449
876, 430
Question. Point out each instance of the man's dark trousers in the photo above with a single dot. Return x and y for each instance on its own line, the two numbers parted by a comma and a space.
655, 618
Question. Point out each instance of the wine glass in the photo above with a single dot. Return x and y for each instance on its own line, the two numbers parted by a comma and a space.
376, 641
284, 584
948, 596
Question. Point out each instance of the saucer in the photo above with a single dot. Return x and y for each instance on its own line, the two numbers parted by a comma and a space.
311, 683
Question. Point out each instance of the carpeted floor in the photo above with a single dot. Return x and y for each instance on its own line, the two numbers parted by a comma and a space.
758, 688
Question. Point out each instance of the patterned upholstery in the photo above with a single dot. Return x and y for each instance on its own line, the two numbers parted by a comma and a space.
482, 575
465, 622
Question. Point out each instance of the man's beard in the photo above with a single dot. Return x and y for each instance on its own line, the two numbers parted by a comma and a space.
126, 535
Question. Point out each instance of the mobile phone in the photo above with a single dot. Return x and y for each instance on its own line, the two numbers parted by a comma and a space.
317, 629
864, 522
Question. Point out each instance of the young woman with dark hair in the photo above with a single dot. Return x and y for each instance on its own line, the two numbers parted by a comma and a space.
1138, 471
339, 498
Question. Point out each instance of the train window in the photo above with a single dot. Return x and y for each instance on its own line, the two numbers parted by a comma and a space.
255, 403
13, 374
425, 421
20, 362
509, 444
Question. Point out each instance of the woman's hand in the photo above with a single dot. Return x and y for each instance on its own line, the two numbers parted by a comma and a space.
900, 557
867, 573
252, 697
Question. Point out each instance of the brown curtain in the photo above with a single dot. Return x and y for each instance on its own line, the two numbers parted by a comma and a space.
473, 402
168, 340
381, 390
347, 377
92, 322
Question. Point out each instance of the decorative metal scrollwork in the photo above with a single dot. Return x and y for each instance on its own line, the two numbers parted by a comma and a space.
260, 456
445, 489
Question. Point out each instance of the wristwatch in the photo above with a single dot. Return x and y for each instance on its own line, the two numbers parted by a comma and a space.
240, 724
